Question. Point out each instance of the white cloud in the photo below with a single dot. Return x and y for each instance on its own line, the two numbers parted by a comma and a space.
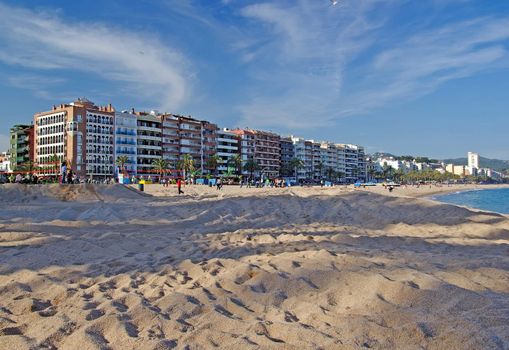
139, 64
322, 63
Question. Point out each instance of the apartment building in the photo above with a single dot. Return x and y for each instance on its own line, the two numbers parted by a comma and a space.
22, 148
246, 147
287, 154
227, 147
264, 148
188, 136
126, 140
318, 165
80, 133
149, 141
355, 162
303, 150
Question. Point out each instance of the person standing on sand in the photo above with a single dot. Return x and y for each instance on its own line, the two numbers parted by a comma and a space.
179, 186
63, 172
69, 176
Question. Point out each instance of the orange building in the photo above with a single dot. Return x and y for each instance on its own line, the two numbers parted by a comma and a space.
80, 133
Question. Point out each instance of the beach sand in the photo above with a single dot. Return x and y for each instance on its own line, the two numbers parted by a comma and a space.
105, 267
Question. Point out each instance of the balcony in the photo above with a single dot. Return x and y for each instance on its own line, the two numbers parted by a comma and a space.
127, 133
125, 142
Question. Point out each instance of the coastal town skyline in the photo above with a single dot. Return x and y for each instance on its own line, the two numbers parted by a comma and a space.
380, 153
341, 79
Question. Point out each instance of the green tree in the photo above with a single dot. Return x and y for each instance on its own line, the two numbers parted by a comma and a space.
295, 165
355, 173
387, 171
121, 162
235, 162
213, 162
320, 166
160, 165
55, 164
251, 166
186, 164
29, 167
330, 173
371, 173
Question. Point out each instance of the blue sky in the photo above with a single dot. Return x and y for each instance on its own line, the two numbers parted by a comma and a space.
427, 77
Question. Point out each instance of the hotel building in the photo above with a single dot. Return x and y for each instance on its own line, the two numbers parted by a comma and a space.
80, 133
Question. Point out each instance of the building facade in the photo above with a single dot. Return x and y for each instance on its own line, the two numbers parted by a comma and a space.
79, 133
22, 150
126, 141
149, 142
227, 147
287, 154
264, 148
188, 136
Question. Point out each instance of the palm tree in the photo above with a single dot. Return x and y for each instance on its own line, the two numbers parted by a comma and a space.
340, 175
213, 162
320, 166
55, 160
252, 166
186, 164
296, 164
121, 161
388, 170
160, 165
371, 173
236, 162
29, 166
355, 173
330, 173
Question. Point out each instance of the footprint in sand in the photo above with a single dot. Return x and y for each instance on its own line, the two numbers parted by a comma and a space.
43, 307
94, 314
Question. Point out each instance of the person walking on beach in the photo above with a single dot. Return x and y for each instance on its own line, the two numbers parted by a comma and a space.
179, 186
219, 183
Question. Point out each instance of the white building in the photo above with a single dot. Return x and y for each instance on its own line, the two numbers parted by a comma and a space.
473, 160
303, 150
5, 162
355, 162
126, 140
227, 144
99, 141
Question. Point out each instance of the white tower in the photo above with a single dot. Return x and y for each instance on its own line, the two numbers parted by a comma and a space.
473, 160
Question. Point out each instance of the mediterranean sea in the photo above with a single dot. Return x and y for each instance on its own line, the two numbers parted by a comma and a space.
496, 200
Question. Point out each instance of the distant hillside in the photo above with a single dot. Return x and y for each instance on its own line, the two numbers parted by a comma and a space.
495, 164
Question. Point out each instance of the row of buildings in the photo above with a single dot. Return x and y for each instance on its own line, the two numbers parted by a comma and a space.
91, 138
471, 169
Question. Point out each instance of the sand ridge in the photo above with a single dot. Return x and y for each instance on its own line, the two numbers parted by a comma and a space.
101, 267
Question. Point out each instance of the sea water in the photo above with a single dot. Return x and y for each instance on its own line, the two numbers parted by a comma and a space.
496, 200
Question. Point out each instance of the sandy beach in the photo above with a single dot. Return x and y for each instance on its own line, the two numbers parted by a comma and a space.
105, 267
